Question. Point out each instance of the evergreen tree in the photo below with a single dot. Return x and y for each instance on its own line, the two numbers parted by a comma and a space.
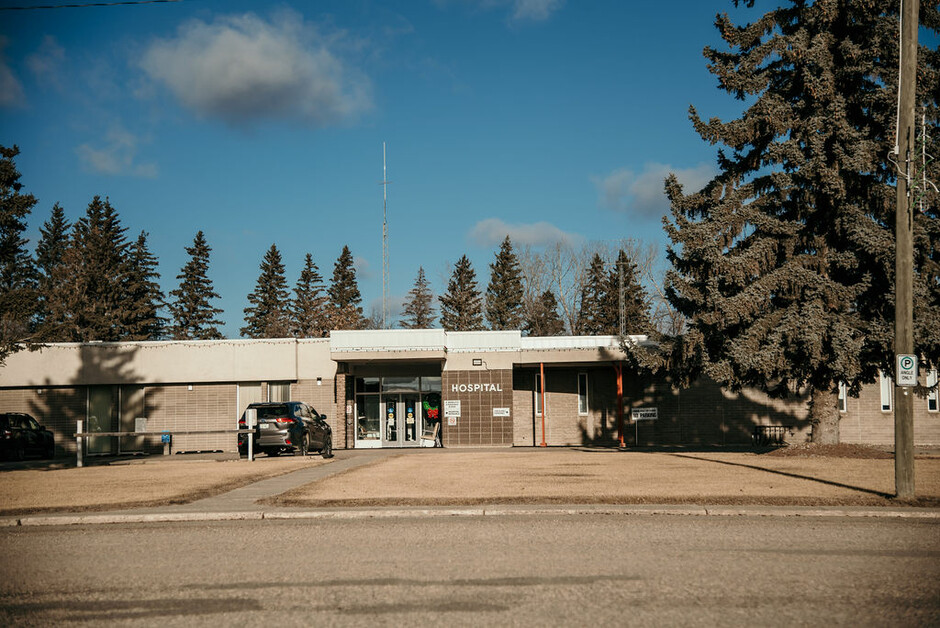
18, 284
268, 316
143, 294
345, 300
309, 307
192, 317
504, 292
591, 319
419, 313
784, 261
635, 301
91, 302
50, 252
462, 306
543, 318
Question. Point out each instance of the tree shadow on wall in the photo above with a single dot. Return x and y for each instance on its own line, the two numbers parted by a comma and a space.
103, 392
702, 414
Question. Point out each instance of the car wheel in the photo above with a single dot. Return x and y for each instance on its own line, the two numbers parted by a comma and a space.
304, 448
327, 450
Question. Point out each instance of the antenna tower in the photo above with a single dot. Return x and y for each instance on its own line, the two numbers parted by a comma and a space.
385, 183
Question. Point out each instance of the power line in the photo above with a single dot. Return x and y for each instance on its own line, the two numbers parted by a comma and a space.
82, 6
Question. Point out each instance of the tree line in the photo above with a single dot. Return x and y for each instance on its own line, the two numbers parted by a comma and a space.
88, 282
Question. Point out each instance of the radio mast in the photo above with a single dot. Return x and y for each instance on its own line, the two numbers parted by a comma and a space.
385, 183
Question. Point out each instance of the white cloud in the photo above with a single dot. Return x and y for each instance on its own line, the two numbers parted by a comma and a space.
363, 268
11, 90
535, 10
46, 62
243, 68
493, 231
644, 193
520, 10
117, 156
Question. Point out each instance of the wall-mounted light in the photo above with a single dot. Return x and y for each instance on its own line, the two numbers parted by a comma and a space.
319, 381
477, 362
190, 387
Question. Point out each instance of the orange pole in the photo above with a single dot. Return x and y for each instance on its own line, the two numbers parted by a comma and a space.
619, 368
544, 409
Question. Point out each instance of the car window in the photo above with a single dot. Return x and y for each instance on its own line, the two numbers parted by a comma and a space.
273, 411
31, 423
16, 422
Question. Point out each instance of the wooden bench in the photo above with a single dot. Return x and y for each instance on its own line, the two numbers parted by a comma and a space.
765, 435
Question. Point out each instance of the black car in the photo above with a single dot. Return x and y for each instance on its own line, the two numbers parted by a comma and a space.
21, 435
285, 426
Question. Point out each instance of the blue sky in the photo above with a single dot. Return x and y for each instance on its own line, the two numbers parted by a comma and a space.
263, 123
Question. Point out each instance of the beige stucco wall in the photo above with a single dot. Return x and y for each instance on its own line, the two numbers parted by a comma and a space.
69, 364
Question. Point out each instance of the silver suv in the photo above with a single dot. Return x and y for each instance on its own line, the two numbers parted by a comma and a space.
285, 426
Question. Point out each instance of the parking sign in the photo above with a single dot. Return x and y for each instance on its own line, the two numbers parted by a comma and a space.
907, 369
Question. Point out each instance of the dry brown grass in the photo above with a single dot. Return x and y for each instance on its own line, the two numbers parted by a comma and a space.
612, 477
123, 486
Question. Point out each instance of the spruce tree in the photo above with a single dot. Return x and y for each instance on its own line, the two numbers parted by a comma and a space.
309, 315
783, 263
268, 316
543, 319
91, 301
591, 320
504, 292
345, 300
50, 252
144, 297
462, 305
419, 313
18, 295
192, 316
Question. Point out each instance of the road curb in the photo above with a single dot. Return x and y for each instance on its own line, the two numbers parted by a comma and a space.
488, 511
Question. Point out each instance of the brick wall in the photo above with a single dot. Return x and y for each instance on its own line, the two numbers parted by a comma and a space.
205, 407
57, 409
476, 392
701, 414
328, 398
865, 423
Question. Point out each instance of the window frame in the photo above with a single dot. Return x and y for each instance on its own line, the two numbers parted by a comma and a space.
933, 396
538, 394
583, 394
886, 390
843, 397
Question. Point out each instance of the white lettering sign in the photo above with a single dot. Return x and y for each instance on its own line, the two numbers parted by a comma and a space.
644, 414
459, 388
500, 411
451, 408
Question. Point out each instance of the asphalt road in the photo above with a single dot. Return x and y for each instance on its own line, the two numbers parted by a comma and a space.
512, 570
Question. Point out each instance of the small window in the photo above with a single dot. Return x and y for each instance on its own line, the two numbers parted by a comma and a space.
843, 397
932, 395
538, 394
582, 393
886, 387
278, 391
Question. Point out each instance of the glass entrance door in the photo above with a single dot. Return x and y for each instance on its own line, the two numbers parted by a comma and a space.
401, 421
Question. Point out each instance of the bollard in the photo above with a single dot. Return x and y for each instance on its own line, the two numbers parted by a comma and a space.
79, 457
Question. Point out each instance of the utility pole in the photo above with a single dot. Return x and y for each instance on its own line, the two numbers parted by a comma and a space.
904, 252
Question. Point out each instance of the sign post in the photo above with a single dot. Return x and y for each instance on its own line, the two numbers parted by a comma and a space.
251, 420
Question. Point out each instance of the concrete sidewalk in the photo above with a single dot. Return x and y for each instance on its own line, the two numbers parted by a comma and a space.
360, 468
